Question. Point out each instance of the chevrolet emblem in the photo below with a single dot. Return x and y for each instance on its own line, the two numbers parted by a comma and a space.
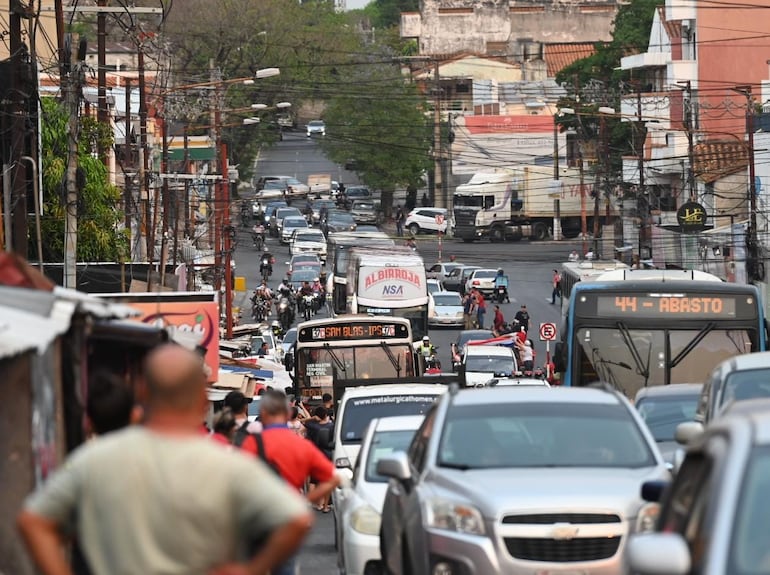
564, 531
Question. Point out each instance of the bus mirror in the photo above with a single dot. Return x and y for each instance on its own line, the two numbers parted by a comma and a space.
558, 357
288, 362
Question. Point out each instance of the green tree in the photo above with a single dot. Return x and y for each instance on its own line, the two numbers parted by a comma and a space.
387, 13
99, 236
380, 122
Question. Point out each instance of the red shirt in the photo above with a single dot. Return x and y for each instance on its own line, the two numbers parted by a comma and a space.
295, 457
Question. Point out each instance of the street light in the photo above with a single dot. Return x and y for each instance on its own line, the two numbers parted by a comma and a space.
258, 106
249, 121
263, 73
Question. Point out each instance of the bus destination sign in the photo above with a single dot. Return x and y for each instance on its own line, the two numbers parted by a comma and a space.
668, 306
352, 331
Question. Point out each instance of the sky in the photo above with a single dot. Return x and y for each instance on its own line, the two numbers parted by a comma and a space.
353, 4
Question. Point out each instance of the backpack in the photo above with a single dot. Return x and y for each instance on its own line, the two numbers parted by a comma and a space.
240, 436
322, 439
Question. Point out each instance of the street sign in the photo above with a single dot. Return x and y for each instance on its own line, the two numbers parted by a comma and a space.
439, 219
547, 331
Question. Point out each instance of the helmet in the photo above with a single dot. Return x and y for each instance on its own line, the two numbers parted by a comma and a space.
264, 249
316, 279
499, 271
275, 323
425, 338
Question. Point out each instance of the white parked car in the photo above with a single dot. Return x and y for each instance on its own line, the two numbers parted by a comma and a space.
359, 505
483, 280
422, 220
486, 362
447, 309
290, 224
308, 241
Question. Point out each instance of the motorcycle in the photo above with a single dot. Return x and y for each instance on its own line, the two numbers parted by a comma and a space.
258, 237
501, 294
318, 301
259, 310
266, 268
432, 365
308, 301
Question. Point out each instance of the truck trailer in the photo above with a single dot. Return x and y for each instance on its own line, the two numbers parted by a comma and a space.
518, 202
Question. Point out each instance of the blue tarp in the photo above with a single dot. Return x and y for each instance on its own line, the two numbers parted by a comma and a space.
261, 373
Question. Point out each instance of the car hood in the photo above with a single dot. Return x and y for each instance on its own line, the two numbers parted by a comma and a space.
668, 450
533, 490
372, 494
450, 310
476, 377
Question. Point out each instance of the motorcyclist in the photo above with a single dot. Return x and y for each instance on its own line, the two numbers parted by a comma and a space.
502, 280
258, 231
426, 349
259, 213
266, 263
284, 288
305, 289
318, 286
263, 292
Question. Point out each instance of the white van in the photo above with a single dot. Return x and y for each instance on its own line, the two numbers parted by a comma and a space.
359, 405
485, 362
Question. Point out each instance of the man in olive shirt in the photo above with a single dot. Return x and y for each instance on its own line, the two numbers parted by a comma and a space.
162, 497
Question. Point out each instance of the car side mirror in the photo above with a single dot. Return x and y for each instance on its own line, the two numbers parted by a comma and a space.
396, 466
288, 362
658, 554
652, 491
687, 431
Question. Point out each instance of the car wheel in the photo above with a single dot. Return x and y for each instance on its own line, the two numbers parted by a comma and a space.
414, 229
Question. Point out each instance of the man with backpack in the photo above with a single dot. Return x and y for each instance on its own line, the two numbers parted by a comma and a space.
294, 458
239, 404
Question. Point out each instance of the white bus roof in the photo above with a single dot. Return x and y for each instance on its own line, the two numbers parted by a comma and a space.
372, 256
657, 275
591, 270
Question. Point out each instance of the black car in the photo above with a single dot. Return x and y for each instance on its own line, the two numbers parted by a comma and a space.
338, 221
456, 279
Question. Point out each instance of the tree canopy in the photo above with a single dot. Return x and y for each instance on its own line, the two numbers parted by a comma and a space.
99, 235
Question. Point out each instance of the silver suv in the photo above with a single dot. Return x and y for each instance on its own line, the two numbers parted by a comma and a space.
714, 515
519, 480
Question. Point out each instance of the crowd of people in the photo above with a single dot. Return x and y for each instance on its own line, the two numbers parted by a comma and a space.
154, 491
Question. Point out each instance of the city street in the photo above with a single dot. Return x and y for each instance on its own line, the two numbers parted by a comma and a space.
528, 265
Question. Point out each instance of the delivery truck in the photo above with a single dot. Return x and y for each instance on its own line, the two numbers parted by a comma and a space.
518, 202
320, 184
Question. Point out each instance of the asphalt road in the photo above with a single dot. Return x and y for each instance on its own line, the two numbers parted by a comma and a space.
528, 265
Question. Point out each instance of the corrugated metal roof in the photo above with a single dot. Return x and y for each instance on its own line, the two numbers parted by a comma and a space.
530, 91
559, 56
717, 159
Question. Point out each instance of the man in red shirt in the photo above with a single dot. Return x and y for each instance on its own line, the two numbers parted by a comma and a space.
295, 458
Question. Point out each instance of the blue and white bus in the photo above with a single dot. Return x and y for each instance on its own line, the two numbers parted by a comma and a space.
639, 328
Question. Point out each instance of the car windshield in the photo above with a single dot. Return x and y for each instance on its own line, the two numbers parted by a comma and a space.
485, 274
663, 414
304, 275
748, 550
359, 411
491, 364
295, 223
631, 359
447, 300
341, 218
552, 434
273, 185
749, 384
316, 123
384, 443
361, 192
433, 287
285, 212
293, 181
309, 237
290, 337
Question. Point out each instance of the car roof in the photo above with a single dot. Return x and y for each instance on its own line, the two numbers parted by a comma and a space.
393, 389
535, 394
397, 423
493, 270
669, 390
305, 257
446, 292
514, 381
749, 361
471, 332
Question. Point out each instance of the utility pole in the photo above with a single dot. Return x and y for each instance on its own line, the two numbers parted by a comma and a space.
101, 74
127, 164
438, 152
187, 231
556, 202
688, 124
641, 200
18, 172
218, 194
73, 132
165, 202
752, 245
144, 164
227, 230
600, 175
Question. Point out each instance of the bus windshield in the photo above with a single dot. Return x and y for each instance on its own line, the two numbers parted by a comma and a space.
320, 366
631, 359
